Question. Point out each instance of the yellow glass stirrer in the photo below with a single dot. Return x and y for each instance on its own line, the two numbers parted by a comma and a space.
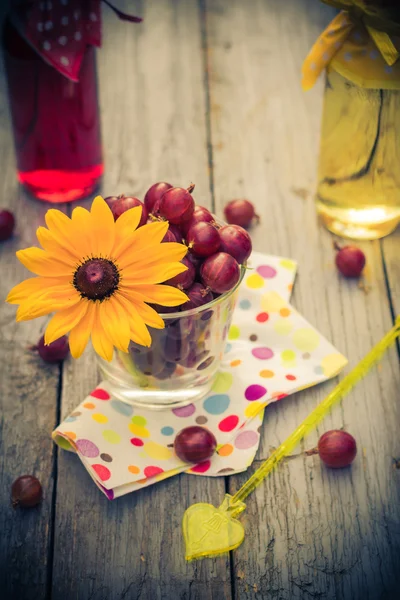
209, 530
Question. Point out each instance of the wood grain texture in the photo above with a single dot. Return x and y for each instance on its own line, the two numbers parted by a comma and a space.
391, 255
28, 400
311, 532
133, 547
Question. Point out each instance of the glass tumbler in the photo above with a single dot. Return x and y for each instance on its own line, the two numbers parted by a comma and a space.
180, 366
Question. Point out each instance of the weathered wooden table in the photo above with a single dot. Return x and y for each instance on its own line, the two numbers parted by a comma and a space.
209, 92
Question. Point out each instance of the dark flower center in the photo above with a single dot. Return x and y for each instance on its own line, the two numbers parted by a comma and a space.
96, 279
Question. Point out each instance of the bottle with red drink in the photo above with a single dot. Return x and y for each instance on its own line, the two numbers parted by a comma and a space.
55, 121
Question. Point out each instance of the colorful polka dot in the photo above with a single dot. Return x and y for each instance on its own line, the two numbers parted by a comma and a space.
100, 394
63, 442
217, 404
70, 434
245, 304
108, 493
332, 364
253, 337
306, 355
99, 418
234, 332
284, 312
255, 392
253, 408
262, 353
76, 413
235, 363
151, 471
184, 411
89, 405
228, 348
122, 408
206, 363
225, 450
306, 339
229, 423
112, 437
246, 439
106, 457
133, 469
283, 326
287, 264
288, 355
157, 451
290, 377
266, 271
226, 470
136, 442
222, 382
266, 374
201, 420
102, 472
167, 431
141, 421
138, 430
271, 302
255, 281
70, 419
318, 370
262, 317
202, 467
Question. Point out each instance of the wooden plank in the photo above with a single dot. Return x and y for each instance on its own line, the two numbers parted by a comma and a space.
310, 532
391, 256
132, 547
28, 400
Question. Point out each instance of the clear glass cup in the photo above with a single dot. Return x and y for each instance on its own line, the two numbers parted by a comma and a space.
182, 362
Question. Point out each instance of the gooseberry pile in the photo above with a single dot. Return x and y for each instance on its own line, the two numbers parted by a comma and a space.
215, 255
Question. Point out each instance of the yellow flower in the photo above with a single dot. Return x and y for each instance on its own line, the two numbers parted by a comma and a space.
98, 276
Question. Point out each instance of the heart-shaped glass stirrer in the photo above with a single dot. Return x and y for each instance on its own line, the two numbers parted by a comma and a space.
209, 530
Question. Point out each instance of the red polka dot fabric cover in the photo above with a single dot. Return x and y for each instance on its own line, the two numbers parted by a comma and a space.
59, 30
272, 351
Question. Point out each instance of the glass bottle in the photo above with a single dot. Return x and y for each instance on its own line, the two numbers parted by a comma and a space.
56, 122
358, 193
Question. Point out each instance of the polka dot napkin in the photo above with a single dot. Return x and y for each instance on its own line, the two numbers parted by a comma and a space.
271, 352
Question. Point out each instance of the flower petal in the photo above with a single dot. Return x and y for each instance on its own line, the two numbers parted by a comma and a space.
125, 225
103, 228
23, 290
157, 256
147, 236
153, 274
80, 334
101, 344
51, 244
166, 295
65, 232
82, 222
65, 320
115, 323
138, 330
46, 301
148, 314
41, 263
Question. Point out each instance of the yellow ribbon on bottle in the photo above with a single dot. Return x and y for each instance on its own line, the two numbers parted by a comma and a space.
360, 45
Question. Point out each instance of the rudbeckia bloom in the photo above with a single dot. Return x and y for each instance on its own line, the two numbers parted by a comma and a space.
98, 277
